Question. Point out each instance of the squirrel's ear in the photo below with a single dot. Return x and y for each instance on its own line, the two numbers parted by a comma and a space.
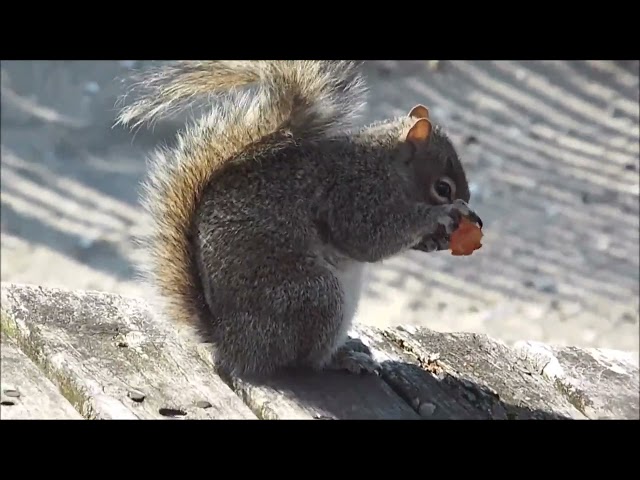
419, 111
420, 131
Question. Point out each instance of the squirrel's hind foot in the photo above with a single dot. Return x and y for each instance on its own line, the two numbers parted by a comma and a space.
354, 357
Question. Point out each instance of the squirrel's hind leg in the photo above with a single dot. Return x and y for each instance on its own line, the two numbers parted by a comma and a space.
352, 356
346, 353
276, 314
353, 360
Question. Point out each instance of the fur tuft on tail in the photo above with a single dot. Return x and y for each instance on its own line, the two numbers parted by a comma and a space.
303, 96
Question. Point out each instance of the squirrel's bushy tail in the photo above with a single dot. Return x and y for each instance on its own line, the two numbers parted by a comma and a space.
304, 96
307, 99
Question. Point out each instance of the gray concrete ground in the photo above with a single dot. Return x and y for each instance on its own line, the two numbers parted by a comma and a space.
551, 148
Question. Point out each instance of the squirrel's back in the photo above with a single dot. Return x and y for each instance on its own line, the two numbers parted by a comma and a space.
293, 101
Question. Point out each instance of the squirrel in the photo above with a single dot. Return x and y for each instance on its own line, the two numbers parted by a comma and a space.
268, 209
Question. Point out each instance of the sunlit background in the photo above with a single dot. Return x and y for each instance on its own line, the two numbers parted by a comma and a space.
551, 149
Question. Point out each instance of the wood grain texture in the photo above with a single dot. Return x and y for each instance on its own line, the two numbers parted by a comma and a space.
601, 383
110, 360
26, 393
74, 354
304, 395
465, 376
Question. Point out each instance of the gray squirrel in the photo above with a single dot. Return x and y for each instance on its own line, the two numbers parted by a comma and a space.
268, 209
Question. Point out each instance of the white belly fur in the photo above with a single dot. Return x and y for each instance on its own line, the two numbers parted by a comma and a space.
352, 277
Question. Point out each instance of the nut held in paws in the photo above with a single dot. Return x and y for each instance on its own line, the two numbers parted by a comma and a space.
466, 239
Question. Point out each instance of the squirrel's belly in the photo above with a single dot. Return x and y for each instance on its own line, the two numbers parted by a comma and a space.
351, 276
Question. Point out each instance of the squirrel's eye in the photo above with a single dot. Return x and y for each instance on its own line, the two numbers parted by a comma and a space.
443, 189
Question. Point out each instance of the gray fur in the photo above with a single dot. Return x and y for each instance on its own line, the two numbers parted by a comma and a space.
283, 222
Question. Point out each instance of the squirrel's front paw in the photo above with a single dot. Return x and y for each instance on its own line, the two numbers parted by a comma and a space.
434, 244
356, 362
446, 220
450, 219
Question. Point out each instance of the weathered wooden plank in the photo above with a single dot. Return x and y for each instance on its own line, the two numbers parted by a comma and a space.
110, 359
304, 395
601, 383
464, 376
26, 392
